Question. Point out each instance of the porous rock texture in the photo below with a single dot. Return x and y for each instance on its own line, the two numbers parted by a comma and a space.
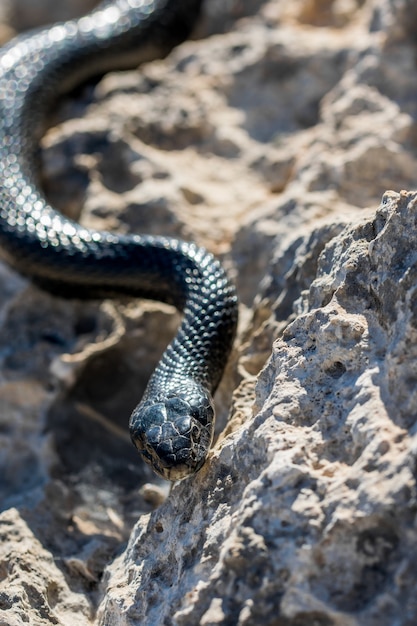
270, 138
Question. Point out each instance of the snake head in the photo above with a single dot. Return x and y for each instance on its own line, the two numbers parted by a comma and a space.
174, 432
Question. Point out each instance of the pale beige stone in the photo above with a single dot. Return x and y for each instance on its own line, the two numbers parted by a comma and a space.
271, 142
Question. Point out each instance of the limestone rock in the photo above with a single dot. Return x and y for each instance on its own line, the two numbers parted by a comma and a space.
306, 509
269, 138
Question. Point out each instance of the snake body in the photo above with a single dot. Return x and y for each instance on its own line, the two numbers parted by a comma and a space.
172, 426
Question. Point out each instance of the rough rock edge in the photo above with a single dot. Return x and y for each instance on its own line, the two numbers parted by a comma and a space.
359, 186
305, 514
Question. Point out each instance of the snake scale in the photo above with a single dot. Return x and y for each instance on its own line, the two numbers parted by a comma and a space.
172, 426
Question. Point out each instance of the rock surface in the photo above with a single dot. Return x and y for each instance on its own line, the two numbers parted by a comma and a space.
296, 117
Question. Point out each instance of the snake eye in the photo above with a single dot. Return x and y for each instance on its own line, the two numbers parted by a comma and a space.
195, 432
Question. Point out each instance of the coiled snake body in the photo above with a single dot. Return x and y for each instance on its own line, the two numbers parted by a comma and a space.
173, 424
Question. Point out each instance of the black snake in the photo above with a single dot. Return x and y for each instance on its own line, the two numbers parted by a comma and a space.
172, 426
